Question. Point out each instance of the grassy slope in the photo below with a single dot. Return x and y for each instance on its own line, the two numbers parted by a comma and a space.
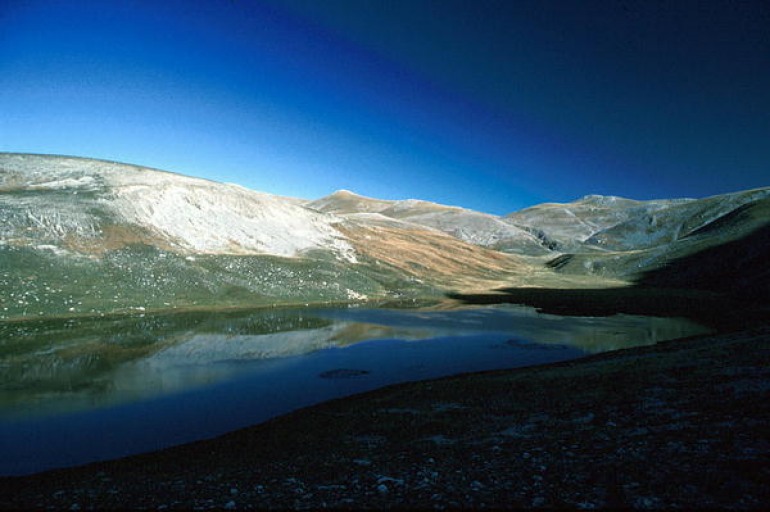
743, 227
39, 283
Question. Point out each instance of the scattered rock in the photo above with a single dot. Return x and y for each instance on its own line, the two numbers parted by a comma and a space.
588, 418
446, 407
440, 440
383, 479
552, 465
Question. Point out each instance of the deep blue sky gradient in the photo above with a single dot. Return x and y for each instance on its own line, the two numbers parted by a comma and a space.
493, 105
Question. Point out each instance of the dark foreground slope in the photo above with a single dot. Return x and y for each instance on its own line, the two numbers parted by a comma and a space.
679, 424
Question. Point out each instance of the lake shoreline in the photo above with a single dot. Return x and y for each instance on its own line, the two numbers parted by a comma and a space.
646, 427
102, 389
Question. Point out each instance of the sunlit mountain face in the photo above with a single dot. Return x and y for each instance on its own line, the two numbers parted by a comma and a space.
85, 237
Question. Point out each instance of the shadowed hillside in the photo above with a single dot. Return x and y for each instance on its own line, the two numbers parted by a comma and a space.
738, 267
83, 236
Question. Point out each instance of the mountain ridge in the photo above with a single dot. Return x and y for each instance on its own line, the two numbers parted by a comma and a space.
158, 239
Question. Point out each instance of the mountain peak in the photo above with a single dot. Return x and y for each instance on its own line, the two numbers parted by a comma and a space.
598, 199
344, 192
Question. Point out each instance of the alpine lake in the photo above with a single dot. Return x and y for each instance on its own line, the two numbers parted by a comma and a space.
77, 390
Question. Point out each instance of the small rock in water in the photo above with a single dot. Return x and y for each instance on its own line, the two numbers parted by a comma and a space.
342, 373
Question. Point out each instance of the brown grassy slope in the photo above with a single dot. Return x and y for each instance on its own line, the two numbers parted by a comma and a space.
432, 255
451, 264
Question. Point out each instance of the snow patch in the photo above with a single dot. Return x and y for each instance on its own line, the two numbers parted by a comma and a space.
58, 251
207, 217
75, 182
354, 295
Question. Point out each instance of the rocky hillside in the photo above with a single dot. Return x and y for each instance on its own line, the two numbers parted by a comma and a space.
566, 227
467, 225
89, 206
83, 236
716, 243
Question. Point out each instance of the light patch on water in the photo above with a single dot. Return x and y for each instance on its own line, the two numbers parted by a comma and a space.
110, 387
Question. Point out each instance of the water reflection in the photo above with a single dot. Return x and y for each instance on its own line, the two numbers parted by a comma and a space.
66, 364
52, 364
134, 384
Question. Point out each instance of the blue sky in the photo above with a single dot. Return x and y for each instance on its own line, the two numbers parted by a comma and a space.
493, 105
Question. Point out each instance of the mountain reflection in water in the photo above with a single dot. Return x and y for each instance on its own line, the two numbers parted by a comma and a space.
65, 380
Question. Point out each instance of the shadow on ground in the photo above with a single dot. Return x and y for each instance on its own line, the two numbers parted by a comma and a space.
724, 287
738, 268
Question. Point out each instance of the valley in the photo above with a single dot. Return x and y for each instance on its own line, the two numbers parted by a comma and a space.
87, 237
139, 298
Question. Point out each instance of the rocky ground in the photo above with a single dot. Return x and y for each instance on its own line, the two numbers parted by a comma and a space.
682, 424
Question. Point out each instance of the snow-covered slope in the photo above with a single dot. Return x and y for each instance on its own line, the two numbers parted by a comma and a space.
718, 243
565, 226
467, 225
76, 203
670, 222
82, 236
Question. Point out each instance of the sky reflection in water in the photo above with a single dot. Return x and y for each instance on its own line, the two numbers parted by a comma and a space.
73, 391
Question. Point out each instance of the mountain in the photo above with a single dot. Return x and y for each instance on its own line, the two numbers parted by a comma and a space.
83, 236
718, 243
467, 225
738, 264
88, 206
566, 226
90, 237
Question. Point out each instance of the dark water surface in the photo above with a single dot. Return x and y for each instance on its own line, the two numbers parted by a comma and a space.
76, 391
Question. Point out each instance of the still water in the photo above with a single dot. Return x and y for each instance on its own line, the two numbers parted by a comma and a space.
79, 390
